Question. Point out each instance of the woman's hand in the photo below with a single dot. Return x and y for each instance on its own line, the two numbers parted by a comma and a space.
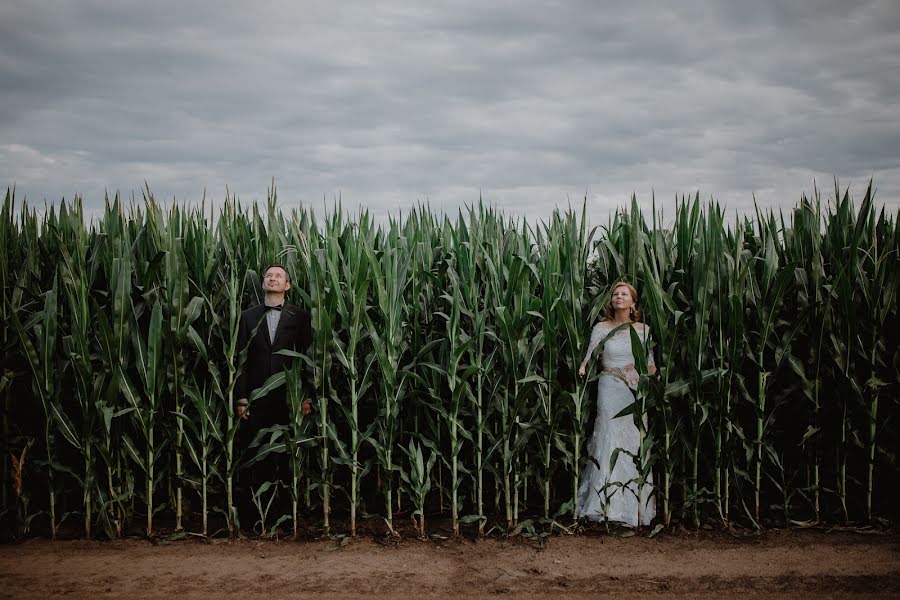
581, 370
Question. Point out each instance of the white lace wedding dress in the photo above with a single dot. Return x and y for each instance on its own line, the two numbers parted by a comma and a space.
600, 495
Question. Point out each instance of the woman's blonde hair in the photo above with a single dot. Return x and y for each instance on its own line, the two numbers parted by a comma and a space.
609, 311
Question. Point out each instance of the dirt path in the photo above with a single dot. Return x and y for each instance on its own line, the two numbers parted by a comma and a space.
805, 564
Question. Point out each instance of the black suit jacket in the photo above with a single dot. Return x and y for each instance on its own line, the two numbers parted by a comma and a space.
294, 333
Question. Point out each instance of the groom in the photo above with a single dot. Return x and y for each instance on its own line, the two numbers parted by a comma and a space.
269, 327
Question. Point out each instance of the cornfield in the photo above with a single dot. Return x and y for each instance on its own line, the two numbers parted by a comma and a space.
443, 366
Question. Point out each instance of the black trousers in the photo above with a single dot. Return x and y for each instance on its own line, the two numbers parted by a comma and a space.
265, 412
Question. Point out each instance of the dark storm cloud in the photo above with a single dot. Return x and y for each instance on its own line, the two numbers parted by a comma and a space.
529, 103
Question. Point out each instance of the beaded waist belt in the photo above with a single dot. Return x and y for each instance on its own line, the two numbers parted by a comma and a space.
629, 376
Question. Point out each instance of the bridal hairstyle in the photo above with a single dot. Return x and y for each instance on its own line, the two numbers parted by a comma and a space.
609, 312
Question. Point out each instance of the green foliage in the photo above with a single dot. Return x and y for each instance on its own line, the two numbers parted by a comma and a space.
452, 346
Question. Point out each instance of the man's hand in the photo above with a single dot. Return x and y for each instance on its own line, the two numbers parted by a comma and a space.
306, 407
581, 370
242, 411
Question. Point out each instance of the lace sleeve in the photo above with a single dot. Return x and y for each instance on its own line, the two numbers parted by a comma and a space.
596, 336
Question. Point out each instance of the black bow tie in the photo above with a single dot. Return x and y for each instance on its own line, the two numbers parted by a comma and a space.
279, 307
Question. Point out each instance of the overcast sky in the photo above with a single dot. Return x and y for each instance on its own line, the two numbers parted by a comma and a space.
530, 104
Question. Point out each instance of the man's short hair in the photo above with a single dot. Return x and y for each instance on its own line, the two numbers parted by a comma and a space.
286, 274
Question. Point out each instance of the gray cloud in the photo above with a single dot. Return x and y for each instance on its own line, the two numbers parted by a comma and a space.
531, 104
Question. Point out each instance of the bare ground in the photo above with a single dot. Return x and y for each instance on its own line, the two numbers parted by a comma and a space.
777, 564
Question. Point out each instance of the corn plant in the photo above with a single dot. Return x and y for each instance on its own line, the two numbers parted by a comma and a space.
775, 338
417, 480
660, 308
390, 275
145, 404
456, 374
318, 259
765, 294
814, 305
10, 251
203, 436
77, 282
349, 272
296, 438
41, 353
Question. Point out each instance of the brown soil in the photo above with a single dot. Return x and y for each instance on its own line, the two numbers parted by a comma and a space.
780, 564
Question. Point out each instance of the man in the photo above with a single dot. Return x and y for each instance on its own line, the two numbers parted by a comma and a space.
268, 328
278, 326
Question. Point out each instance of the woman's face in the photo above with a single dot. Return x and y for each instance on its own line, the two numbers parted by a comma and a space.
621, 298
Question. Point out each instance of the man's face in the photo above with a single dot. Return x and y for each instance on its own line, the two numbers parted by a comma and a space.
275, 280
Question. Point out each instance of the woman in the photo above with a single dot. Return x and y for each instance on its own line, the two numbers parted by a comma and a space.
602, 495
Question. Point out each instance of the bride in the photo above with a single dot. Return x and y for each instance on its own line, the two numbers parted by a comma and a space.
602, 495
